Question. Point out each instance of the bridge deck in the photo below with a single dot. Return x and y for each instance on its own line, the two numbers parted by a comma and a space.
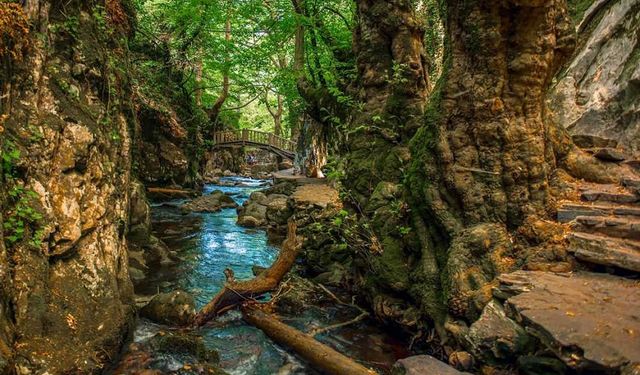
245, 137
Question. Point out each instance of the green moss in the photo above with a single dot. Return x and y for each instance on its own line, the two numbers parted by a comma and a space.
391, 267
577, 8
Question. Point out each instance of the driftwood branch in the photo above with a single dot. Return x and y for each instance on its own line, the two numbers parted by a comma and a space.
317, 354
237, 292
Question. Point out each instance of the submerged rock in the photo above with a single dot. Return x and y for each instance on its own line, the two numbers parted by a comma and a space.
175, 308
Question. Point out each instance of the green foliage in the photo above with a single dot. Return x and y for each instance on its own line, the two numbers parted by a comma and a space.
258, 58
70, 26
20, 215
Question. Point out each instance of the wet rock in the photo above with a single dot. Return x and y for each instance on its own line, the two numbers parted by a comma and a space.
258, 197
461, 360
250, 221
213, 202
495, 336
137, 275
157, 252
610, 154
285, 188
252, 214
164, 158
588, 320
422, 365
174, 308
184, 343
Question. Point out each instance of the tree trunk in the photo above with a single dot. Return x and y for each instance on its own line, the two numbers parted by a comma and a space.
199, 72
298, 62
393, 87
214, 112
482, 161
317, 354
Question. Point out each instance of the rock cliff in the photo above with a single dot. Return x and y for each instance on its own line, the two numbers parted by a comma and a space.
66, 296
599, 91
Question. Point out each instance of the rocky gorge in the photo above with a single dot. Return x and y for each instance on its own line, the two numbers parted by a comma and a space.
481, 211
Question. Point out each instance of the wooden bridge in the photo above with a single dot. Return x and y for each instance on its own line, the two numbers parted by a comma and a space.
254, 138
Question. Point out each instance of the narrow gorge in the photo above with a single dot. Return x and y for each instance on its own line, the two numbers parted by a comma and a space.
320, 187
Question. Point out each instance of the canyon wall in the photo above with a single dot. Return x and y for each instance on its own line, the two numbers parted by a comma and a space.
67, 118
599, 91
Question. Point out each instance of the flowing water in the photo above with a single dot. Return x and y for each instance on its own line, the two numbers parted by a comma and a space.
207, 244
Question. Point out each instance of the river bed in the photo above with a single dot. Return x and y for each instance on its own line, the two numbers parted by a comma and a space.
210, 242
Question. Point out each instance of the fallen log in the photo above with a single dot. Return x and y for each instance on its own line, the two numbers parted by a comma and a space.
171, 193
317, 354
237, 292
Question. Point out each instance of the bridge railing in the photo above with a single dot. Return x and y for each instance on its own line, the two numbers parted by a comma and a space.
253, 136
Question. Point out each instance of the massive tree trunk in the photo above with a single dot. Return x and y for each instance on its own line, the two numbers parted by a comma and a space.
483, 160
480, 157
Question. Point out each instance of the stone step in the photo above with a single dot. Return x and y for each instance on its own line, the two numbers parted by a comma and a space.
621, 227
569, 211
592, 195
606, 251
591, 321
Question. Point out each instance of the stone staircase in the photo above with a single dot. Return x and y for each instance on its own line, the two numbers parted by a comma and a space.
589, 318
605, 225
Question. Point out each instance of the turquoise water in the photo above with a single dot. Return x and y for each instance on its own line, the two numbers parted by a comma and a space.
207, 244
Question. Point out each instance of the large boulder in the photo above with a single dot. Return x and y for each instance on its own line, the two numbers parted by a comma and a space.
176, 308
252, 213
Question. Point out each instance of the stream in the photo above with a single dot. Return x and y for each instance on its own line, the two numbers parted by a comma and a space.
206, 244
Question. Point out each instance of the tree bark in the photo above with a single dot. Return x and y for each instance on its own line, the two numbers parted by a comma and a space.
319, 355
237, 292
388, 43
199, 72
482, 162
298, 61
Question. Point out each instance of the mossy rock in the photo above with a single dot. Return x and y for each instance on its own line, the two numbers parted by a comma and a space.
392, 268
